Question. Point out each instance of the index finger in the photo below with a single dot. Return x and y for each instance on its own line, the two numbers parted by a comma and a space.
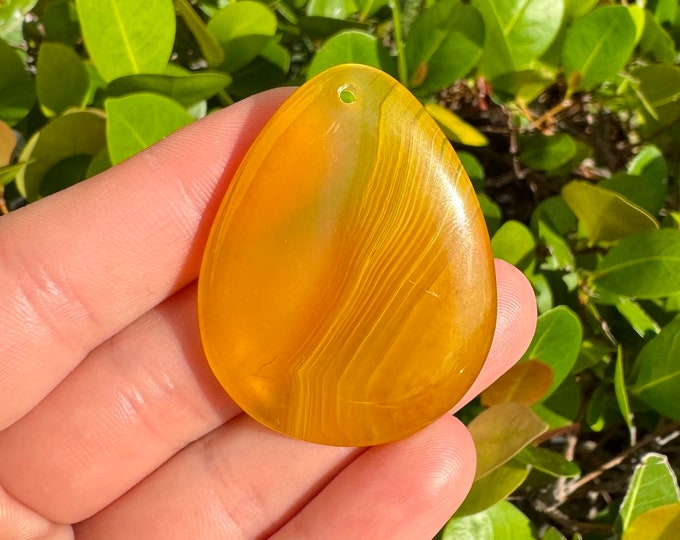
78, 266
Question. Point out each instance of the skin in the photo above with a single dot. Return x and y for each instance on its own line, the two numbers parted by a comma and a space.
112, 425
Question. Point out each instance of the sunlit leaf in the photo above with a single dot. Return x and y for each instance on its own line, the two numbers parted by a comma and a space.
606, 216
185, 89
653, 484
656, 372
445, 42
515, 243
660, 523
493, 487
334, 9
137, 121
598, 46
620, 389
557, 342
638, 318
351, 46
548, 462
61, 79
645, 265
455, 128
210, 46
501, 521
518, 32
71, 134
500, 432
647, 193
243, 29
125, 37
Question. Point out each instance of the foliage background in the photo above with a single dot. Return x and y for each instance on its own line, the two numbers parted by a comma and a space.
565, 114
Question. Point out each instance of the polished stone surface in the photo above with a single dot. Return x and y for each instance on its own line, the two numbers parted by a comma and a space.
347, 294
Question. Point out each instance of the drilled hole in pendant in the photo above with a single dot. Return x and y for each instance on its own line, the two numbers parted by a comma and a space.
347, 93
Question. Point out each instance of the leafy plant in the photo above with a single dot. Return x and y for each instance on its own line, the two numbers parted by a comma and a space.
566, 115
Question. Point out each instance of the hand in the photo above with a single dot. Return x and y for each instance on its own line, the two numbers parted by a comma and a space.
110, 416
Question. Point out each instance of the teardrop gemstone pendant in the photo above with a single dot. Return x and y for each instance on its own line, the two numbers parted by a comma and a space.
347, 293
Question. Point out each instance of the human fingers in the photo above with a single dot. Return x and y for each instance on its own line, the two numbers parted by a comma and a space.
78, 266
245, 481
145, 394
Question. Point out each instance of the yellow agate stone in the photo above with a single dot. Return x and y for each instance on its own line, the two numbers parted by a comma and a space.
347, 293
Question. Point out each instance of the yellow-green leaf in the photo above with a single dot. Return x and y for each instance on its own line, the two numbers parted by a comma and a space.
455, 128
605, 215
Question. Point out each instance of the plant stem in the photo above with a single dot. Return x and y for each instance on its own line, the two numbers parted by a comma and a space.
398, 38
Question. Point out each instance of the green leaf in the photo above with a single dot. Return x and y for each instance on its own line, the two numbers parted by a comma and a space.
500, 432
334, 9
656, 372
645, 265
578, 8
474, 170
71, 134
547, 153
454, 127
606, 216
620, 389
351, 47
243, 29
667, 11
556, 214
17, 93
494, 487
557, 342
185, 89
12, 14
638, 318
551, 221
598, 46
60, 21
9, 172
553, 534
656, 42
501, 521
210, 47
319, 28
267, 71
493, 214
650, 164
65, 173
659, 87
661, 523
524, 85
137, 121
565, 401
519, 31
445, 42
603, 410
61, 79
648, 194
548, 462
515, 243
124, 37
653, 484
